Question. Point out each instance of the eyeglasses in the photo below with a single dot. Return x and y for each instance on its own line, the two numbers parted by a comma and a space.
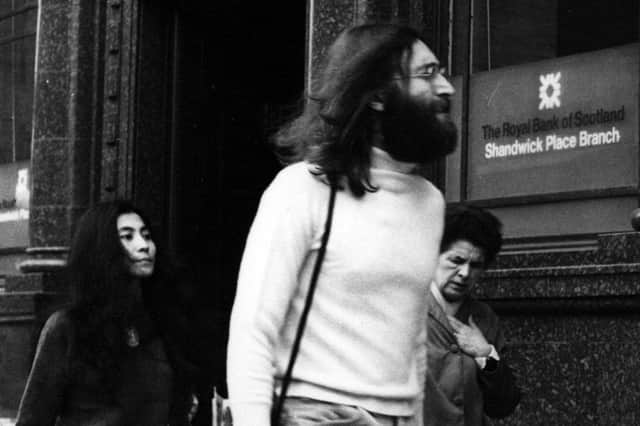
429, 73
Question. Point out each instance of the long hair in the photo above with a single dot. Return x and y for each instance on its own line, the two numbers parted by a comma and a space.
103, 296
335, 128
96, 267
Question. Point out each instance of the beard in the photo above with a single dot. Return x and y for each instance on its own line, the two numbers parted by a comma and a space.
417, 130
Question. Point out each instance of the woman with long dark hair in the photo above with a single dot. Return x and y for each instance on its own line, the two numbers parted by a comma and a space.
115, 356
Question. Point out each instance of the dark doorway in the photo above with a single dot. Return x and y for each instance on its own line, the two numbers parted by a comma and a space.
238, 68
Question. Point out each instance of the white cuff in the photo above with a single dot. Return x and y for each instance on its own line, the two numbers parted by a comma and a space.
482, 360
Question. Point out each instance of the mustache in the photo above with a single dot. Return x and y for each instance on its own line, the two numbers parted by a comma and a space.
442, 104
141, 259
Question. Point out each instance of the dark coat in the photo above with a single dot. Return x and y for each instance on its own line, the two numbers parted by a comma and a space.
457, 391
66, 391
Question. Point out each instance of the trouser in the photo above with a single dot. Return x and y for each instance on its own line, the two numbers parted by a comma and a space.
310, 412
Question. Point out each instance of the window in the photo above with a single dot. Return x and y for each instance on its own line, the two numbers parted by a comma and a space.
511, 32
17, 56
545, 61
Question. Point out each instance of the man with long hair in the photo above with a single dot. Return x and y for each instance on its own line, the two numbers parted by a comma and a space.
379, 111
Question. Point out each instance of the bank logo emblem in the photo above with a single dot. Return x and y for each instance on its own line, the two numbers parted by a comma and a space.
550, 90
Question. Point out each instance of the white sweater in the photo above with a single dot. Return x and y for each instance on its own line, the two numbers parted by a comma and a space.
364, 340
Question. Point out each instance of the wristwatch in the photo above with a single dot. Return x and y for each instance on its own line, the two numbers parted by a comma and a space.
491, 360
491, 364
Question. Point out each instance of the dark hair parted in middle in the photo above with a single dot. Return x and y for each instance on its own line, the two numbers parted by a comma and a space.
105, 300
100, 282
334, 130
476, 225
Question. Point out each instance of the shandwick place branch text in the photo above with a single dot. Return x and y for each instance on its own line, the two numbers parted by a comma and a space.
554, 139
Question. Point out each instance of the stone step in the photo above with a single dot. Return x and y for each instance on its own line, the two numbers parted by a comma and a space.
28, 303
35, 282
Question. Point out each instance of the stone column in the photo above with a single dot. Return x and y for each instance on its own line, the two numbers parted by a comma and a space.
62, 175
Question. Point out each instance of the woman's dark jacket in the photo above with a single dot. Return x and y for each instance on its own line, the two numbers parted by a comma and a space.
65, 389
457, 391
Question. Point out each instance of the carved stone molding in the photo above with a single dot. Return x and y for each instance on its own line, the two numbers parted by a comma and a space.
44, 259
118, 88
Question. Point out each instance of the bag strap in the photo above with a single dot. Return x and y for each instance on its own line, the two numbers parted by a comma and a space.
277, 411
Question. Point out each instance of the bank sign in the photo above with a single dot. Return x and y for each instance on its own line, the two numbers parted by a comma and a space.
563, 125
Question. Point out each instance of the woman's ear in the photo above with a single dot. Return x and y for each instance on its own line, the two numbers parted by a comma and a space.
377, 101
377, 105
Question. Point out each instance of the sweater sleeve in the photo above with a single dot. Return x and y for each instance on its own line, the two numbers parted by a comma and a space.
278, 243
421, 361
43, 395
421, 356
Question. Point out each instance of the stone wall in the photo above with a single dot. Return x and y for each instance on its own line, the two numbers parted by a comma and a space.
571, 320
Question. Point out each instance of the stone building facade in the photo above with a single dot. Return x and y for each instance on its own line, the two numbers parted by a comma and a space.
169, 104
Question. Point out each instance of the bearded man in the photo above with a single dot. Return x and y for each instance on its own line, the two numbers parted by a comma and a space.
379, 111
